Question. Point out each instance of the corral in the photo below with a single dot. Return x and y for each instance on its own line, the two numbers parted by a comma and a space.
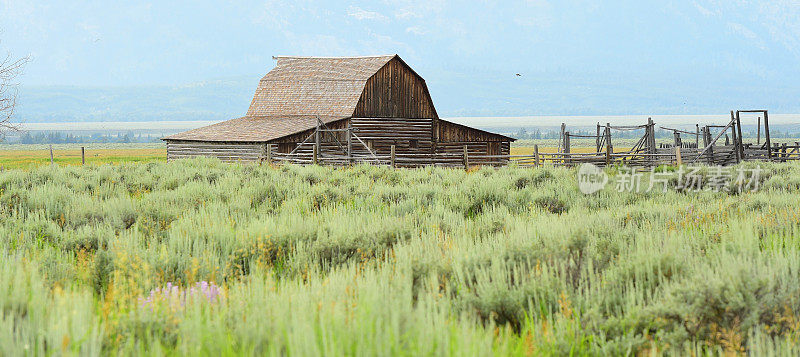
705, 145
381, 141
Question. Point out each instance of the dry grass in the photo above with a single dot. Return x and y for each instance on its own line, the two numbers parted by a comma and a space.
11, 159
552, 149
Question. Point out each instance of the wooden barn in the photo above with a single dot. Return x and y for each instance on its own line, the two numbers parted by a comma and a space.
338, 111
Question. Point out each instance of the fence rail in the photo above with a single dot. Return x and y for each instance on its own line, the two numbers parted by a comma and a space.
662, 156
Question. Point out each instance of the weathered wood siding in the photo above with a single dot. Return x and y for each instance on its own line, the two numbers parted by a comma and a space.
288, 143
407, 135
452, 132
225, 151
475, 149
395, 91
451, 139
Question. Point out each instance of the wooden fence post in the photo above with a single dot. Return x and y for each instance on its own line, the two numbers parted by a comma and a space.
51, 155
738, 140
697, 137
315, 154
783, 152
393, 163
767, 140
705, 137
651, 142
597, 138
566, 147
317, 138
83, 156
609, 151
678, 158
758, 133
262, 154
466, 158
269, 154
536, 155
350, 141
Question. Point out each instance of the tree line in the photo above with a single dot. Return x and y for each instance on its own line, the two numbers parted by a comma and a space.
66, 138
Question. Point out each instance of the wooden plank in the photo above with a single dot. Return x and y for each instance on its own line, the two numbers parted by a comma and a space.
393, 157
739, 136
767, 141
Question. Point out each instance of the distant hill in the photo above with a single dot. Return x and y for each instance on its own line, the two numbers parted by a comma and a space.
209, 100
454, 94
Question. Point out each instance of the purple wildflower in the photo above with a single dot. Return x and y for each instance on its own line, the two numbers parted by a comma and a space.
176, 297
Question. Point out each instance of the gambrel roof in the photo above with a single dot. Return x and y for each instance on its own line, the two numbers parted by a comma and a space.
327, 86
292, 95
298, 91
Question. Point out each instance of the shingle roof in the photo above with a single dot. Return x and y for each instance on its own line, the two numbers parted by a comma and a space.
314, 85
254, 128
292, 95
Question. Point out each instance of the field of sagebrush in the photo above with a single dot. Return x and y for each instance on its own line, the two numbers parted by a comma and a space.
200, 257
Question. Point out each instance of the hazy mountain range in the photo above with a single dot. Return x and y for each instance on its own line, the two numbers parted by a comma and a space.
486, 94
139, 61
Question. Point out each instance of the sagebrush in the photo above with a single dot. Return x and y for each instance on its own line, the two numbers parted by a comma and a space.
375, 261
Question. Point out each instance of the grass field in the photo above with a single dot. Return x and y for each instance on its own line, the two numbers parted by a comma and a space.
199, 257
523, 150
25, 156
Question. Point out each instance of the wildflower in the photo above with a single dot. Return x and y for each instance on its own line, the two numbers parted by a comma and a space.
176, 297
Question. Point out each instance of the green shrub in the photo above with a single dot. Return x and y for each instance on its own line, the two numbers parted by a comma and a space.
432, 261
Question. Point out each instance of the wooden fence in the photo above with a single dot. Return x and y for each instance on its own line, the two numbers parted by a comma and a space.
705, 145
718, 155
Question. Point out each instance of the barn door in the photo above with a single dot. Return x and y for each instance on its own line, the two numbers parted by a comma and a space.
494, 148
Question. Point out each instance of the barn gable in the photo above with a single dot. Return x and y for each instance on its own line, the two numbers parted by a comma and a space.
395, 91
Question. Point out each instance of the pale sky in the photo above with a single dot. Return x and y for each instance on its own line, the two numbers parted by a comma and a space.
690, 47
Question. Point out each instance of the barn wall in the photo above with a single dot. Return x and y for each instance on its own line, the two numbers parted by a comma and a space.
395, 91
474, 147
225, 151
288, 143
451, 132
407, 135
476, 151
